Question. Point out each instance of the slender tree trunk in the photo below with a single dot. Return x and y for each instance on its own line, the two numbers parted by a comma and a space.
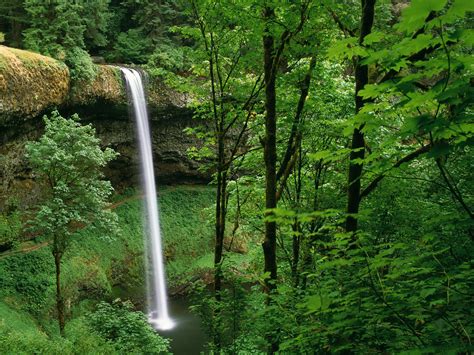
296, 253
59, 298
358, 145
220, 217
296, 227
221, 209
270, 156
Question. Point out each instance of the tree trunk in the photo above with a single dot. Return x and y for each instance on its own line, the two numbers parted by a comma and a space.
219, 230
221, 209
59, 298
296, 252
270, 156
358, 144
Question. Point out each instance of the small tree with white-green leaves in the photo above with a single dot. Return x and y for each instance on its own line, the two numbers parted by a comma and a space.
69, 162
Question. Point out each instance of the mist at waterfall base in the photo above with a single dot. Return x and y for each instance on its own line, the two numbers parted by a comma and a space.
158, 314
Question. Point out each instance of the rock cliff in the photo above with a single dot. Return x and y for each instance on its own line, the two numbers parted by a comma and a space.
32, 85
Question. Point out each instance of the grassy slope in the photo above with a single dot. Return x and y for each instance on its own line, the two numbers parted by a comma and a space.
94, 266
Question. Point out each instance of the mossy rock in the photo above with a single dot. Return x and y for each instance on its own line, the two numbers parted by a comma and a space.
30, 83
107, 85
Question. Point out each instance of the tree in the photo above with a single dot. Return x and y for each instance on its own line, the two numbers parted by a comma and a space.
13, 20
62, 29
233, 88
358, 143
61, 25
275, 41
68, 160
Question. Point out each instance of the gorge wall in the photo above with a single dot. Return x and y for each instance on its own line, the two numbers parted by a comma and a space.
32, 85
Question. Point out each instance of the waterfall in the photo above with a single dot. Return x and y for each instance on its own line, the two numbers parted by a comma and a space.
157, 301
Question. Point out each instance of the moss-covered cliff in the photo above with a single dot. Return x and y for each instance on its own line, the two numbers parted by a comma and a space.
32, 85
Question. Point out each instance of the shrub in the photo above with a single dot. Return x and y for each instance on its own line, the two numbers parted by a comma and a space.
80, 340
28, 276
127, 329
80, 65
10, 226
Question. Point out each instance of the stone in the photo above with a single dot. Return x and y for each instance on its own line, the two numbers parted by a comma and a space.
31, 85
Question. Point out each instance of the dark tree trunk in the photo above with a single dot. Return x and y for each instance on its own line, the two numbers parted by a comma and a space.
296, 227
358, 144
59, 298
218, 249
270, 155
219, 230
220, 209
218, 243
296, 253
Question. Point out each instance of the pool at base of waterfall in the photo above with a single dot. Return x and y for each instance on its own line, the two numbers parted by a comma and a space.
160, 323
187, 334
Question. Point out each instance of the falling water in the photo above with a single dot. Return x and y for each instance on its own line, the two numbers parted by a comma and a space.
157, 304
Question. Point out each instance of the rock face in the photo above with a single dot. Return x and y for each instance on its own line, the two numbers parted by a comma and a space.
32, 85
29, 83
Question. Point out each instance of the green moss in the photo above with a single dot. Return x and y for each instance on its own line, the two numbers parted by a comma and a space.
3, 63
23, 88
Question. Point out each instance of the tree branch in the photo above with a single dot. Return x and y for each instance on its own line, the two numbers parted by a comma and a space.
405, 159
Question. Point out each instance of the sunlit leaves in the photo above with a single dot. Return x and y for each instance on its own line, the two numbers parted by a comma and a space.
346, 48
457, 10
69, 161
414, 16
374, 37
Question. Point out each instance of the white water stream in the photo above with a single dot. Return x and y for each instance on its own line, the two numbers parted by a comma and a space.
157, 303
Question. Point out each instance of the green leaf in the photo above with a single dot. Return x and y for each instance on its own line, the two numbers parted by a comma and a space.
427, 292
373, 37
414, 16
467, 37
374, 90
457, 10
317, 303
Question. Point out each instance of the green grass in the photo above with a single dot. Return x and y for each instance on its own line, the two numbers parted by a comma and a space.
12, 318
187, 232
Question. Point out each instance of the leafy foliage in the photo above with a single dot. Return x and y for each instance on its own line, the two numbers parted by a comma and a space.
80, 65
62, 29
127, 329
402, 281
70, 160
10, 227
131, 47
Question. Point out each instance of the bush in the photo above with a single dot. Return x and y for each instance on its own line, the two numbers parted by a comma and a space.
80, 65
28, 276
80, 340
170, 58
127, 329
10, 226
